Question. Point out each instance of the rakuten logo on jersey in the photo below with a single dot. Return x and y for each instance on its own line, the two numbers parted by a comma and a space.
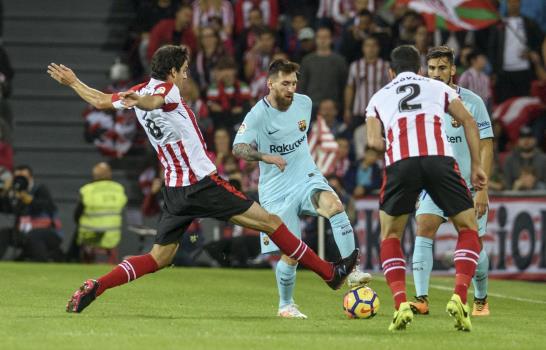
454, 139
286, 149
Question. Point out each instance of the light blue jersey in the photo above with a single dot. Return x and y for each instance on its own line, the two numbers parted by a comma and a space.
457, 139
281, 133
456, 136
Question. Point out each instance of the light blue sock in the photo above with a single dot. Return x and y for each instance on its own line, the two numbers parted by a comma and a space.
422, 264
480, 277
343, 234
286, 281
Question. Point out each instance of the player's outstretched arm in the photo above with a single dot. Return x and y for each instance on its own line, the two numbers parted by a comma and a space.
249, 153
145, 102
66, 76
458, 111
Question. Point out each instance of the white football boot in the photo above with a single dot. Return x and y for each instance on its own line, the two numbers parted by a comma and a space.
358, 278
291, 311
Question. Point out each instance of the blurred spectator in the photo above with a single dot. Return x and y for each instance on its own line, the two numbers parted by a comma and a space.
329, 111
99, 214
525, 155
422, 43
251, 176
37, 228
149, 13
291, 40
151, 181
360, 140
305, 44
257, 60
6, 151
342, 161
528, 181
210, 52
323, 72
190, 94
112, 132
404, 30
222, 153
474, 78
173, 31
366, 77
367, 174
510, 45
248, 36
269, 10
228, 99
217, 13
354, 35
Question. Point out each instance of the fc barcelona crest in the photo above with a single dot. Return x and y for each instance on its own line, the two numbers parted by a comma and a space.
266, 240
302, 124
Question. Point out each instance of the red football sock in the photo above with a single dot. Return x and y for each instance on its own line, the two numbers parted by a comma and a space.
294, 248
126, 271
394, 269
467, 253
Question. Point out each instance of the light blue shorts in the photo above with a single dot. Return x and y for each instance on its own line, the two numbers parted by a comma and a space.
427, 206
289, 208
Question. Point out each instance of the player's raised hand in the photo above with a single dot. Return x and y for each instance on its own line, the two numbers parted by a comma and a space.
62, 74
129, 98
274, 159
479, 179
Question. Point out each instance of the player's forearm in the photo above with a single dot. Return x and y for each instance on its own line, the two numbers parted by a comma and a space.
473, 140
486, 155
92, 96
246, 152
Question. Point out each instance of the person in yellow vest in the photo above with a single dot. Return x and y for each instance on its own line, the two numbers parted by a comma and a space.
99, 213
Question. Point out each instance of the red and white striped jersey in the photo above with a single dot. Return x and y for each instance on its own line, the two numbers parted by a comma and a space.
366, 79
411, 108
174, 134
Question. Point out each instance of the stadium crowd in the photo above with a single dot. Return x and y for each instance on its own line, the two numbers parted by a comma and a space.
343, 47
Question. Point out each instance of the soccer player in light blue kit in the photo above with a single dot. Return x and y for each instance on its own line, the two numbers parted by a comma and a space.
274, 132
440, 62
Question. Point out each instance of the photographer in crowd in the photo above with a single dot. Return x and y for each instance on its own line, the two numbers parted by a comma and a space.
36, 229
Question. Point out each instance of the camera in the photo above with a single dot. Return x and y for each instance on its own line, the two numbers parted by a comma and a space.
20, 183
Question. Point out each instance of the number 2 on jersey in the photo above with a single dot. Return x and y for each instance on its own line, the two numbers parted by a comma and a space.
404, 105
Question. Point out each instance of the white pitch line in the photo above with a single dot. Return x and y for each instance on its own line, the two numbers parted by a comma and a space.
435, 286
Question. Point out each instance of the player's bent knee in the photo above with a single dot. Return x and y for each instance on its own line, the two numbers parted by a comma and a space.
272, 223
163, 255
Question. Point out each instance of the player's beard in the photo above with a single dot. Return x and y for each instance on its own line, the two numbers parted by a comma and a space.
283, 102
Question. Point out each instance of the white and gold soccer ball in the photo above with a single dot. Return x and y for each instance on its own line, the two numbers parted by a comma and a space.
360, 302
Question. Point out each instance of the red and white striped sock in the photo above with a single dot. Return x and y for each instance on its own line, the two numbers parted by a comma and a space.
467, 253
296, 249
394, 269
127, 271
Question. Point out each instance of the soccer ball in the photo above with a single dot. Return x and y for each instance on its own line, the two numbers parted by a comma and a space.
360, 302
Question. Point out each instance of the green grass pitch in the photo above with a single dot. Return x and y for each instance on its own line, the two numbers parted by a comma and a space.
235, 309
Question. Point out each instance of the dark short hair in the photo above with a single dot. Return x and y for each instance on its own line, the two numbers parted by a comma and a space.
473, 55
372, 37
24, 167
441, 52
166, 58
405, 58
282, 65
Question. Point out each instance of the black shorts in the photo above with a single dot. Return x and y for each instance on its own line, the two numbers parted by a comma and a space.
404, 180
212, 197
